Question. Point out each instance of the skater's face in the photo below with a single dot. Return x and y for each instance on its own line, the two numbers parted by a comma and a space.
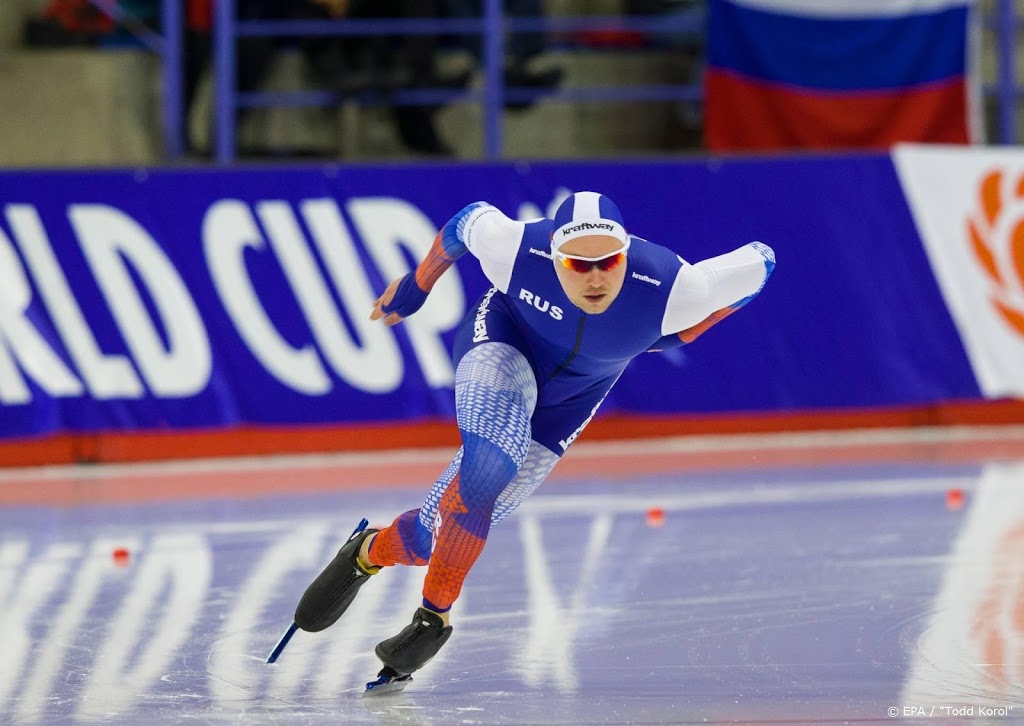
591, 270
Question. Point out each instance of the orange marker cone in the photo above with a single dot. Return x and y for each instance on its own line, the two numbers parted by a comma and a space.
655, 517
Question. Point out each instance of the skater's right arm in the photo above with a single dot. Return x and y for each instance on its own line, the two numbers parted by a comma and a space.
480, 229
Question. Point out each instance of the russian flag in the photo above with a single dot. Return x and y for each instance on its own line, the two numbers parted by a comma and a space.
786, 74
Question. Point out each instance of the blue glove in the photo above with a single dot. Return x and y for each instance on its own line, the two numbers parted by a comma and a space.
408, 297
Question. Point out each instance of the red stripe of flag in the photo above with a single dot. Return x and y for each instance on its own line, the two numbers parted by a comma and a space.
742, 114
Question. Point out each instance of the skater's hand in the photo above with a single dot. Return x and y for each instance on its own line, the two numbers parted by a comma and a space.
402, 298
385, 299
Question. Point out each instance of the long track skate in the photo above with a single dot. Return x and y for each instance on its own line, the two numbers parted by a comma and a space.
332, 592
409, 651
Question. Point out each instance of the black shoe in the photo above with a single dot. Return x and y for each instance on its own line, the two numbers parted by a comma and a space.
335, 588
519, 77
418, 642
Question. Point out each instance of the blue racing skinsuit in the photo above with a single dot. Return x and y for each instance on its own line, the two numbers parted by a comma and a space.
532, 370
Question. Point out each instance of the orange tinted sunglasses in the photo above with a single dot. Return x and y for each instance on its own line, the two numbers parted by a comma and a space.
584, 265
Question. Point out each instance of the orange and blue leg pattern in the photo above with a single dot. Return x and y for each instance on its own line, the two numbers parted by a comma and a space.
409, 538
495, 394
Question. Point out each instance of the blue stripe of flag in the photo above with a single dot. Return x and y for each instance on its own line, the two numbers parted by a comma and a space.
838, 55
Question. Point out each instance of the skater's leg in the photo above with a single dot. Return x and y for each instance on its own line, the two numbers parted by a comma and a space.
495, 395
407, 540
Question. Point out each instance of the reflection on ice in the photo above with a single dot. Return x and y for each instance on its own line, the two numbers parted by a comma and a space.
972, 651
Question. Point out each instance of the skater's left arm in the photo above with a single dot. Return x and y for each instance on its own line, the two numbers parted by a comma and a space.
478, 228
709, 291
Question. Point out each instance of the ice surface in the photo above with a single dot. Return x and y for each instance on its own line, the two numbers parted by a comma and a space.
811, 593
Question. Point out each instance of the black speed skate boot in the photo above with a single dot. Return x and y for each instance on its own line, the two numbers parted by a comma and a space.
409, 651
335, 588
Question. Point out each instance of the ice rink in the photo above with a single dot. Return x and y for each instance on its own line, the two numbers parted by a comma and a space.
800, 578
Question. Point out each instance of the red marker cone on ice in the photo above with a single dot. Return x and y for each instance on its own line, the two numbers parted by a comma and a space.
655, 517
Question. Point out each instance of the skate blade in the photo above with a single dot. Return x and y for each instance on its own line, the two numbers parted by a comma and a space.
276, 652
387, 684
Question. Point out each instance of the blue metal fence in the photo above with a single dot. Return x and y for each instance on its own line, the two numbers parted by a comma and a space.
169, 45
492, 27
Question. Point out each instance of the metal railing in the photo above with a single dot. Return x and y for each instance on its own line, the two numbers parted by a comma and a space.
169, 45
492, 27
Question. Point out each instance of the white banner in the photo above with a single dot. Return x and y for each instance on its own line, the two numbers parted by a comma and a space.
968, 204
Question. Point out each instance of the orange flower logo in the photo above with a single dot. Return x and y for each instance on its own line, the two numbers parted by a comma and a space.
996, 234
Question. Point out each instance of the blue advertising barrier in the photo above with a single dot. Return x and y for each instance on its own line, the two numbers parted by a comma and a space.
176, 299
